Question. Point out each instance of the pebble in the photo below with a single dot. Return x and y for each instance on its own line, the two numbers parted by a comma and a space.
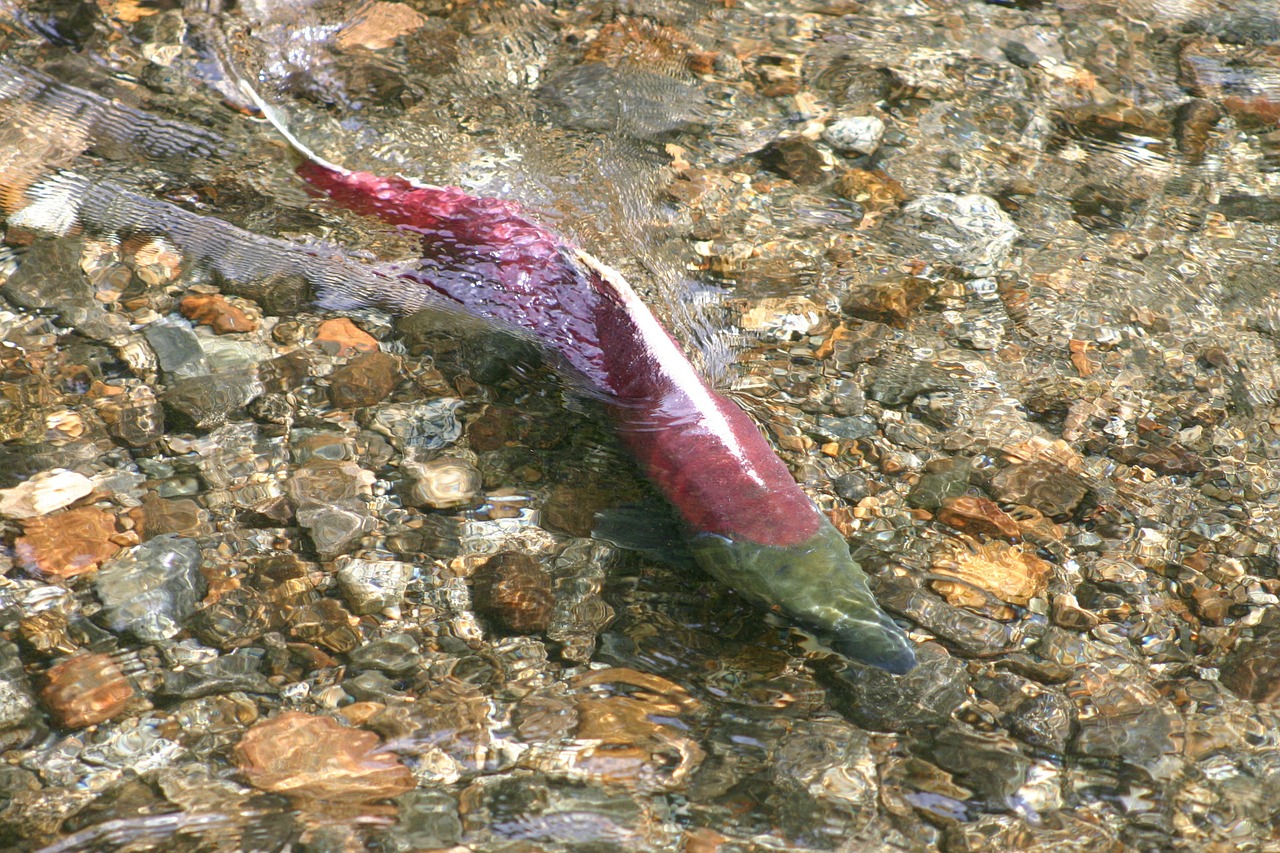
443, 483
67, 544
44, 493
514, 591
342, 338
971, 231
177, 348
1011, 573
366, 380
425, 426
373, 586
315, 758
150, 589
204, 403
854, 134
135, 417
216, 312
86, 689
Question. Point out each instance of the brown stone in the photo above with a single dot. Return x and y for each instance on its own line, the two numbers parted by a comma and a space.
893, 301
871, 188
366, 380
214, 311
67, 544
316, 758
514, 591
979, 516
1008, 573
85, 690
1042, 484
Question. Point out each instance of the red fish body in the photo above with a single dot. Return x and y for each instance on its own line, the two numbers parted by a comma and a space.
749, 523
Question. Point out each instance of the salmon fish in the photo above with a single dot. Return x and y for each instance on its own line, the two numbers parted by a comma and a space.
748, 523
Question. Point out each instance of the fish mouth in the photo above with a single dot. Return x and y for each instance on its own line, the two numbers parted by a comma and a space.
881, 644
818, 585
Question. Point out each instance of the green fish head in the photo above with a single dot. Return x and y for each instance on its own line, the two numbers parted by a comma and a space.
817, 584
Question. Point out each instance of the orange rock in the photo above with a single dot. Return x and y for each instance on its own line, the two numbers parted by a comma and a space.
1080, 357
341, 337
1009, 573
316, 758
86, 689
377, 25
67, 544
979, 515
210, 309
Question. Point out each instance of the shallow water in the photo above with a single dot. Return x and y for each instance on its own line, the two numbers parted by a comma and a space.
294, 580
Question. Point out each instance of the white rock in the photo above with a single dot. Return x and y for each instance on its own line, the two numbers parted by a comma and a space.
44, 493
855, 135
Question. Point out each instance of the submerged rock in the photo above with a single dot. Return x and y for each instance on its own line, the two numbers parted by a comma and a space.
152, 588
315, 758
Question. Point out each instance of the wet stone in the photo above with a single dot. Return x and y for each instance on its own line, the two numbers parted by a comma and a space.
827, 774
178, 351
892, 301
798, 159
136, 417
971, 634
873, 699
44, 493
374, 586
325, 623
854, 134
976, 515
1041, 484
396, 654
1007, 573
988, 763
424, 426
971, 231
238, 618
204, 403
315, 758
442, 483
67, 544
238, 671
1044, 721
335, 530
160, 516
342, 338
942, 481
85, 689
217, 313
1253, 670
366, 380
515, 592
152, 588
49, 278
17, 702
319, 481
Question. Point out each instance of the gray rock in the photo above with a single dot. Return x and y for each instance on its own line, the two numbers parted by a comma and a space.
152, 588
178, 350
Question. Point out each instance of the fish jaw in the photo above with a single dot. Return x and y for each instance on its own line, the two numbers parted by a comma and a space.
817, 584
